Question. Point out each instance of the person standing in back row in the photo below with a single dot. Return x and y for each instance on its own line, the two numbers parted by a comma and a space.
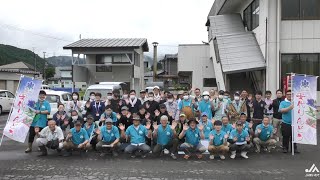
97, 107
258, 107
285, 108
277, 116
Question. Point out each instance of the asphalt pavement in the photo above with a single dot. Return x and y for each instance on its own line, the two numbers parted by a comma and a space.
15, 164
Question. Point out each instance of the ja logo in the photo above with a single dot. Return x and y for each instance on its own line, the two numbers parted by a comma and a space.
312, 172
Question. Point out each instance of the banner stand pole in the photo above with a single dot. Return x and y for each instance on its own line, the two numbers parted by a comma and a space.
292, 116
10, 112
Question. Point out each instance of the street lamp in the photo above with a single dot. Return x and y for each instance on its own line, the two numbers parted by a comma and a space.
155, 61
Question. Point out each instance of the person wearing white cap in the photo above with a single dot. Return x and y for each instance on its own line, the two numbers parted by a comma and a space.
166, 137
156, 92
205, 105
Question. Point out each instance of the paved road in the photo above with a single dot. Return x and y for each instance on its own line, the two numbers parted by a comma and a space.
15, 164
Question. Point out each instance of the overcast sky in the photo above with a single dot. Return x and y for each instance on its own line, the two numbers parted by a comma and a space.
169, 22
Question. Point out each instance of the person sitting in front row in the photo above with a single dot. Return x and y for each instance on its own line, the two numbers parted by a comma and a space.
239, 139
218, 141
192, 134
108, 135
136, 134
50, 137
77, 139
264, 135
165, 136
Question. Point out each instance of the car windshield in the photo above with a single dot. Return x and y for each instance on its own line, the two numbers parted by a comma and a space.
102, 91
52, 98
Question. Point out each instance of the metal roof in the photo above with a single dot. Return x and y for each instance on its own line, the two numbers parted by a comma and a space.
110, 43
238, 49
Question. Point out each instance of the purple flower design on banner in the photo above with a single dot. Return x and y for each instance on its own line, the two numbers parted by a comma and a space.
305, 84
30, 85
311, 102
32, 104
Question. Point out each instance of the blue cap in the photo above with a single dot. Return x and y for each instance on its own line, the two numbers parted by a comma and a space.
204, 114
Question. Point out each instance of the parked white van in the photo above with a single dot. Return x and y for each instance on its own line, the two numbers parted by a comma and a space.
55, 97
104, 88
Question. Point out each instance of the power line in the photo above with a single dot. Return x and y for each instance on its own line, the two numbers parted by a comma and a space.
31, 32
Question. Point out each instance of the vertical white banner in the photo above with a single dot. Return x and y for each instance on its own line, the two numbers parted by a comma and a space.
304, 112
22, 113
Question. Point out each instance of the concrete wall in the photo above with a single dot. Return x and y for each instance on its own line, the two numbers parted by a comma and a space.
119, 73
196, 58
300, 36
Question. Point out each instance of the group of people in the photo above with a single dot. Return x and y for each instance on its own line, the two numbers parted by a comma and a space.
164, 123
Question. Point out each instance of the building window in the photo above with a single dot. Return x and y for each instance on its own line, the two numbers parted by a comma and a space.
301, 64
104, 59
251, 15
300, 9
209, 82
121, 58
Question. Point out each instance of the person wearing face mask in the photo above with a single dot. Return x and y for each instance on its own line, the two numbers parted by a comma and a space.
187, 105
42, 110
73, 118
97, 107
157, 94
226, 95
60, 116
134, 102
172, 107
143, 97
205, 105
220, 106
236, 107
109, 97
92, 96
75, 104
151, 105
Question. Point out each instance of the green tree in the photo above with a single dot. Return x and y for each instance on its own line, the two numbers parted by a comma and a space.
50, 72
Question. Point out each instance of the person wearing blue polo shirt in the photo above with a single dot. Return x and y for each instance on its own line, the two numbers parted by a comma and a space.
218, 141
207, 125
247, 126
42, 109
205, 105
77, 138
264, 136
226, 126
108, 135
165, 136
90, 127
285, 108
192, 134
136, 134
108, 113
239, 140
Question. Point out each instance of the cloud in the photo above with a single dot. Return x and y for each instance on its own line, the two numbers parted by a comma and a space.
169, 22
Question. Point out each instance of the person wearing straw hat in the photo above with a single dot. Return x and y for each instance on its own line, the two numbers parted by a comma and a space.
136, 134
166, 137
109, 138
192, 134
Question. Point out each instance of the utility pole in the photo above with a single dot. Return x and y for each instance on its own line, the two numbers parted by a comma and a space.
35, 62
155, 61
44, 66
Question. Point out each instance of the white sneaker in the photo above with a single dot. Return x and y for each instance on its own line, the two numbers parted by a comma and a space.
211, 157
244, 155
233, 154
222, 157
166, 151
